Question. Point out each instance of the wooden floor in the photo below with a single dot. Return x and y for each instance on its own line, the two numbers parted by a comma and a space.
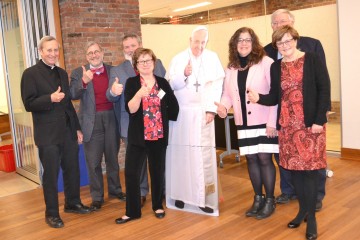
22, 214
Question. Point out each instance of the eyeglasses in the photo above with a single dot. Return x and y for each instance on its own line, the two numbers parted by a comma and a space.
143, 62
244, 40
96, 52
280, 23
284, 43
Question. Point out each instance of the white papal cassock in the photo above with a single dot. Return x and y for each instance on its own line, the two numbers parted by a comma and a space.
191, 171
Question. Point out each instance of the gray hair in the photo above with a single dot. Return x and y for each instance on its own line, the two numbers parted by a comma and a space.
132, 35
91, 43
45, 39
199, 28
280, 11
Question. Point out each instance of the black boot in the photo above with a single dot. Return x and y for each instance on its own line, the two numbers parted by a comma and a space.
268, 209
256, 206
311, 228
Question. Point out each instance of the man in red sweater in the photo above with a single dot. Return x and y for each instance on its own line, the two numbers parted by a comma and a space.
97, 119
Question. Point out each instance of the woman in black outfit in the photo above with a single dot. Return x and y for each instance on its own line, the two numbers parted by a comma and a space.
151, 103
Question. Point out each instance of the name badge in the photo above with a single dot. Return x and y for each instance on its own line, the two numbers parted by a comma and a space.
161, 93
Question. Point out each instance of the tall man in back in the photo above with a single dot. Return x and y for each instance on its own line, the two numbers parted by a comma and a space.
97, 119
196, 76
118, 78
45, 93
280, 18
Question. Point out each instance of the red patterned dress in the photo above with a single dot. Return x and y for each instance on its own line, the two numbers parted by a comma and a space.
300, 149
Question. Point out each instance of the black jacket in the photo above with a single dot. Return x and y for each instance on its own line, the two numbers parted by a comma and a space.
316, 90
49, 119
169, 110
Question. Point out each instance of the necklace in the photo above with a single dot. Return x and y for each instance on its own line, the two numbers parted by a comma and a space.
243, 68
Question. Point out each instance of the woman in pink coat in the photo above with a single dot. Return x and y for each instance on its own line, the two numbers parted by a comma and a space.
249, 67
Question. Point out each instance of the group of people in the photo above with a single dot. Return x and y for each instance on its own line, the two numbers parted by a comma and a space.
279, 96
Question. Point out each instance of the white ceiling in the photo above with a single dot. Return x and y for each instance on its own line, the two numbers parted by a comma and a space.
164, 8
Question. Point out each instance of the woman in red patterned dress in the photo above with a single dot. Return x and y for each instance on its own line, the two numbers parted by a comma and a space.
300, 85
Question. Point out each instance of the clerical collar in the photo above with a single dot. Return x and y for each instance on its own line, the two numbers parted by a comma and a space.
47, 65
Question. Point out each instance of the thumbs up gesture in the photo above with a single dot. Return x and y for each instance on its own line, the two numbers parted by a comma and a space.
57, 96
188, 69
87, 75
117, 88
252, 95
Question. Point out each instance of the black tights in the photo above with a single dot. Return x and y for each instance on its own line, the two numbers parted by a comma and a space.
262, 172
306, 184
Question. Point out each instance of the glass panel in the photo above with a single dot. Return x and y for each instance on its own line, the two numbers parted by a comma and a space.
21, 122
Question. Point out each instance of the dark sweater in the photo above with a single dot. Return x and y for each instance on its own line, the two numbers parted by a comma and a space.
316, 90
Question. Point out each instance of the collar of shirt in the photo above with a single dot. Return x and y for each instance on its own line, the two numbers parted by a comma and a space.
97, 70
50, 66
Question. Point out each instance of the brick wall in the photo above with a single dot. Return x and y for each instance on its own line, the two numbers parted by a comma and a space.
241, 11
105, 21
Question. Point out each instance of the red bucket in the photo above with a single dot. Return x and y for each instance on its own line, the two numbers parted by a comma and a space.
7, 163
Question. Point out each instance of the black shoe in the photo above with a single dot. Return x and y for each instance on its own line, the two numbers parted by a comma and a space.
95, 206
54, 222
77, 208
285, 198
207, 209
256, 206
295, 223
121, 196
123, 220
311, 236
143, 200
160, 215
179, 204
318, 206
267, 210
311, 229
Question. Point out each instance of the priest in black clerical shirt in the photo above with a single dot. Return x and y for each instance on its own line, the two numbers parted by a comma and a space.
45, 93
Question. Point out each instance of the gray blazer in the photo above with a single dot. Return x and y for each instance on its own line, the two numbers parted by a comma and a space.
87, 99
123, 72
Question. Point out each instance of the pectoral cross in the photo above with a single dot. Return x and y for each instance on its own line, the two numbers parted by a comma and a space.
197, 84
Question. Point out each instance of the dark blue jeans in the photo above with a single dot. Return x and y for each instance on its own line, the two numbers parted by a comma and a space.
287, 186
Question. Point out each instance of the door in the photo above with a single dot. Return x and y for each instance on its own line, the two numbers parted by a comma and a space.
22, 24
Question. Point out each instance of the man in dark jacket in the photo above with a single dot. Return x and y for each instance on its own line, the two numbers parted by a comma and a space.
45, 93
98, 123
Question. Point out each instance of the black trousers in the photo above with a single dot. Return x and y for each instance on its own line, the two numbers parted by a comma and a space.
155, 152
51, 158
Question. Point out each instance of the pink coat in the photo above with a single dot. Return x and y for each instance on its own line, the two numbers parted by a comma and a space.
258, 79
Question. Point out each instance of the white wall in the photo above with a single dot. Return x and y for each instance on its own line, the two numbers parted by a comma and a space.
349, 17
318, 22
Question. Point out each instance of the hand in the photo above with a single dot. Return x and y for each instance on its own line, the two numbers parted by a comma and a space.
117, 88
271, 132
143, 92
252, 95
87, 75
57, 96
209, 117
188, 69
317, 128
221, 110
80, 136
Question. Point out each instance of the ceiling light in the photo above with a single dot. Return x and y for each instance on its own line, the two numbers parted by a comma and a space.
192, 6
145, 14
